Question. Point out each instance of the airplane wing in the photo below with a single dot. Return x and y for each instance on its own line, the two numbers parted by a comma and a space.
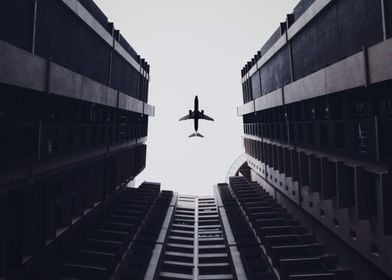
205, 117
187, 117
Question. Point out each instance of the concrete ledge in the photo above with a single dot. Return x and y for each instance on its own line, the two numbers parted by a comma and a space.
272, 99
23, 69
70, 84
149, 110
345, 74
305, 88
246, 108
130, 103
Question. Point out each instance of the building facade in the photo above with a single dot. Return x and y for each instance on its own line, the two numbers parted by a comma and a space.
317, 126
73, 122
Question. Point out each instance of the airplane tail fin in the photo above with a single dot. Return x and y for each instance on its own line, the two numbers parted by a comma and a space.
197, 134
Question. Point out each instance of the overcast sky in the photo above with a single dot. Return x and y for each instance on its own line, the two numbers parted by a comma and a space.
195, 47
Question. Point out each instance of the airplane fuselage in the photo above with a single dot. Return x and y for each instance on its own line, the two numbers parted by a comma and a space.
196, 112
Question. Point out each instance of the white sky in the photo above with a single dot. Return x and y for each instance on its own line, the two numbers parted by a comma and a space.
195, 47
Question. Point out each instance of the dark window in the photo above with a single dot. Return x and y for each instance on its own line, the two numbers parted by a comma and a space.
310, 134
300, 133
323, 134
373, 193
83, 136
339, 135
2, 108
70, 137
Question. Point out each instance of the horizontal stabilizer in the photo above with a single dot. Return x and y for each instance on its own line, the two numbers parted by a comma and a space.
197, 134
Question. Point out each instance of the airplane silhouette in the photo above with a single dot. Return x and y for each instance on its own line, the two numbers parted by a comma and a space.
196, 115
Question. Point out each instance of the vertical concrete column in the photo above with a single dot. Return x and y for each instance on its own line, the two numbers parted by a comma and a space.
287, 162
281, 164
260, 144
386, 185
267, 154
289, 22
66, 201
328, 182
157, 254
50, 209
196, 242
304, 169
275, 157
3, 232
238, 266
13, 230
384, 19
35, 10
41, 215
79, 193
344, 185
111, 25
295, 165
315, 173
362, 194
28, 219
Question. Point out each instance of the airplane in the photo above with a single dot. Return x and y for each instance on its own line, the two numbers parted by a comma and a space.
196, 115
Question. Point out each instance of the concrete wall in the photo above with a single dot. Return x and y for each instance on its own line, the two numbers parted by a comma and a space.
77, 37
361, 267
320, 33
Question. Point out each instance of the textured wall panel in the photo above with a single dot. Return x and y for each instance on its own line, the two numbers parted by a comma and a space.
317, 45
16, 21
256, 86
124, 76
388, 17
270, 100
360, 24
68, 41
276, 72
338, 32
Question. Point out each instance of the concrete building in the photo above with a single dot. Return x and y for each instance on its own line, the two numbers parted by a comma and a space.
317, 126
195, 246
73, 123
308, 199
